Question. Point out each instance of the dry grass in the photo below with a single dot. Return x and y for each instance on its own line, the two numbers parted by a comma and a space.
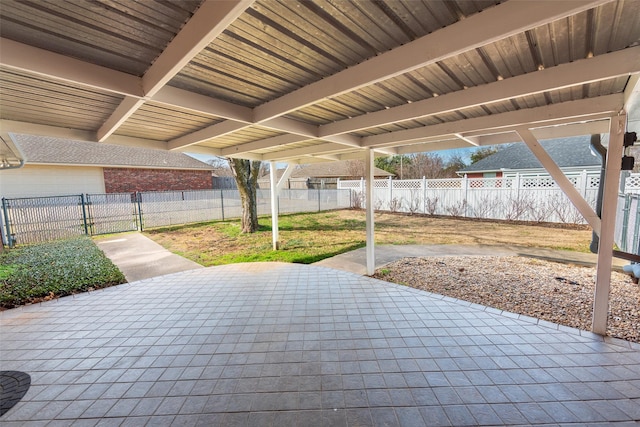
307, 238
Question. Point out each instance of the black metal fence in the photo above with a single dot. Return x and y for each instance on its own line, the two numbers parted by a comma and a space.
40, 219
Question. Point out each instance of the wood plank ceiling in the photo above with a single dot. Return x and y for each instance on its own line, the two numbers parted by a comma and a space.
315, 80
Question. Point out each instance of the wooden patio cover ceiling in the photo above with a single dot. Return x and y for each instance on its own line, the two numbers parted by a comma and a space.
315, 80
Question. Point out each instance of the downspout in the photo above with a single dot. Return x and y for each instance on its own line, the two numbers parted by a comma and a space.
602, 151
7, 165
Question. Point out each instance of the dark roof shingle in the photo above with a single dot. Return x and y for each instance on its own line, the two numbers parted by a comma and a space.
566, 152
48, 150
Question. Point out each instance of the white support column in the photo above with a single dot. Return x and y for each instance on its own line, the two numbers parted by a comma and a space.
609, 210
567, 187
371, 257
274, 205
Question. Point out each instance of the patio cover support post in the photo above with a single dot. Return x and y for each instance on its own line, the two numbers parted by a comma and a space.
560, 178
371, 258
609, 210
275, 187
274, 205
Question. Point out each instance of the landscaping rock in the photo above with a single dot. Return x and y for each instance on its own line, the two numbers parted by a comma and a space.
559, 293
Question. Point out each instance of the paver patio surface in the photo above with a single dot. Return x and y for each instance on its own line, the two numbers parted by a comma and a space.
286, 344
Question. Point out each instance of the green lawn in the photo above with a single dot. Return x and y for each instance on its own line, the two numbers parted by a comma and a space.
311, 237
304, 238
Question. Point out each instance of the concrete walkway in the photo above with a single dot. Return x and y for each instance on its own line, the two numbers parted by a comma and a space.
355, 261
139, 257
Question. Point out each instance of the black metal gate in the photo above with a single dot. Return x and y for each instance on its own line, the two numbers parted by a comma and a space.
41, 219
111, 213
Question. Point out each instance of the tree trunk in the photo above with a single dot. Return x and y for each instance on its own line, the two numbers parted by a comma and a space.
246, 173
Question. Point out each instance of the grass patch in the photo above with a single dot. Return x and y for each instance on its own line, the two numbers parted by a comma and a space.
51, 270
310, 237
304, 239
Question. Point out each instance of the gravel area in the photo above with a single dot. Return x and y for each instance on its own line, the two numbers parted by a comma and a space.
559, 293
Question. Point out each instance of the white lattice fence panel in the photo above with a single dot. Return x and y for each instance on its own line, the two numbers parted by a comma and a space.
407, 184
349, 185
444, 183
632, 184
538, 182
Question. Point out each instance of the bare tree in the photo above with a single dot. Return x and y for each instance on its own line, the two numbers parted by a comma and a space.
457, 209
517, 206
431, 205
219, 162
427, 165
454, 164
246, 173
395, 204
541, 211
483, 207
355, 168
414, 201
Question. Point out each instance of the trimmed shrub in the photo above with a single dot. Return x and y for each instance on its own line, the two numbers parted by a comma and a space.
50, 270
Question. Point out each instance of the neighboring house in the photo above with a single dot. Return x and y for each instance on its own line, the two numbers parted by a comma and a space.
323, 175
59, 166
223, 179
570, 154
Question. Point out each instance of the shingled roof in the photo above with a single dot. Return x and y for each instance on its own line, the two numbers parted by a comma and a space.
571, 152
56, 151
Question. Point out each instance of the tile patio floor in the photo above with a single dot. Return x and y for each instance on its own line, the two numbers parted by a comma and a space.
285, 345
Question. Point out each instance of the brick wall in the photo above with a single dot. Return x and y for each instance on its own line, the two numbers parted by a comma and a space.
127, 180
481, 175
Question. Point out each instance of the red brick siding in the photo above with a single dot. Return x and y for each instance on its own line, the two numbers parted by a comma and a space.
481, 175
127, 180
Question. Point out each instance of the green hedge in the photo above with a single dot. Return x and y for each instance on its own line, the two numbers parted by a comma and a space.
50, 270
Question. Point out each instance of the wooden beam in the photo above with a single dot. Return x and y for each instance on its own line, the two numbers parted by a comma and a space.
493, 24
302, 151
128, 106
560, 178
19, 56
549, 132
206, 24
609, 210
203, 27
571, 111
274, 141
176, 97
601, 67
213, 131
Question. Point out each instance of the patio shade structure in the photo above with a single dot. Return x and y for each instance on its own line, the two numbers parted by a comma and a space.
307, 81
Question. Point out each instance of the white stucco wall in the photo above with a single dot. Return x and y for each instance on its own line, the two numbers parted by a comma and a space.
35, 180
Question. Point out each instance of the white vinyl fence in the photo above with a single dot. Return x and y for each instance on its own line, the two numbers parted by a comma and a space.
518, 197
627, 234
